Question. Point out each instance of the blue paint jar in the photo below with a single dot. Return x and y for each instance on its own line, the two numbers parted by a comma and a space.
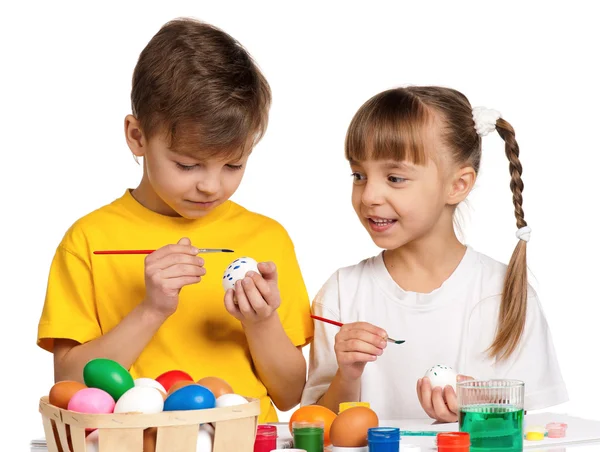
384, 439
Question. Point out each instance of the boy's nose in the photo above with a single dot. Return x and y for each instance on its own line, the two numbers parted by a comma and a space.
208, 185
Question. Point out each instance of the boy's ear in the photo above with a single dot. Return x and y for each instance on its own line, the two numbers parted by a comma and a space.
461, 185
134, 136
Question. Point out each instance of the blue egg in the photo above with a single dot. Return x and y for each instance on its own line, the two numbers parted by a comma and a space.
191, 397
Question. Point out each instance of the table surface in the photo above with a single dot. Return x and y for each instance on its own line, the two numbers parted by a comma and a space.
426, 442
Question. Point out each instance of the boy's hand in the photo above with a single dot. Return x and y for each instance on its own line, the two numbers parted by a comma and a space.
356, 344
167, 270
256, 297
439, 404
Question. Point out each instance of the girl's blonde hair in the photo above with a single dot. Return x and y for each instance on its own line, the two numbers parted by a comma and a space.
390, 125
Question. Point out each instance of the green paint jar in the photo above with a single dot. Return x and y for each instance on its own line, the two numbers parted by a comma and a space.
309, 436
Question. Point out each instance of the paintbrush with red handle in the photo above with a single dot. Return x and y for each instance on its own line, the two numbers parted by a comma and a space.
333, 322
200, 251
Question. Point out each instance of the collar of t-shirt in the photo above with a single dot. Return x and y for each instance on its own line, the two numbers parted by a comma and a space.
456, 284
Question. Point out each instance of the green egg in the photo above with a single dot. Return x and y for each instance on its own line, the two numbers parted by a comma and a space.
107, 375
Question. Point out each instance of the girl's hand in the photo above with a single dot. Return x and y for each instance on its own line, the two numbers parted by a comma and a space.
167, 270
256, 297
439, 404
356, 344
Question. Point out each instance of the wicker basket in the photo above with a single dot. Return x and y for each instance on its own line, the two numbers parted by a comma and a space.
177, 431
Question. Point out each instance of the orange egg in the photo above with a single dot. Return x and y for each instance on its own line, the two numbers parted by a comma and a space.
314, 413
178, 385
216, 385
150, 439
351, 426
61, 393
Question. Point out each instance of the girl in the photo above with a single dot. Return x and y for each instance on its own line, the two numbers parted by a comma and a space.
415, 154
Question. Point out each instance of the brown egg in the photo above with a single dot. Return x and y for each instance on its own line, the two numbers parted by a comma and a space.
150, 439
61, 393
178, 385
350, 427
216, 385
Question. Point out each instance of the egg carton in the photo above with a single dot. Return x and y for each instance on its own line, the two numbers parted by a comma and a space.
235, 429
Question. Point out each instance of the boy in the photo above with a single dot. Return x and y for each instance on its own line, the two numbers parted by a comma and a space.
199, 106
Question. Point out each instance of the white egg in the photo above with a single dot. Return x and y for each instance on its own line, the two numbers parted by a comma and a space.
208, 427
441, 376
237, 270
230, 400
140, 399
205, 440
149, 383
91, 442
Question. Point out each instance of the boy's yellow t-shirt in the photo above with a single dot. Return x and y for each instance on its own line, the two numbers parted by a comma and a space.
89, 294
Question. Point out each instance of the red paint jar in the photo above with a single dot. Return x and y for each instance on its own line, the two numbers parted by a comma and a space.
266, 438
453, 442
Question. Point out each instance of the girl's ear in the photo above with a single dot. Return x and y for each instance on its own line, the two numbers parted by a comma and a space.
134, 136
461, 185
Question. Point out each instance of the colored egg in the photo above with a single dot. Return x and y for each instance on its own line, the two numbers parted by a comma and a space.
108, 375
150, 383
61, 393
230, 400
140, 400
91, 442
350, 428
170, 377
92, 401
191, 397
237, 270
150, 439
178, 385
442, 376
216, 385
205, 440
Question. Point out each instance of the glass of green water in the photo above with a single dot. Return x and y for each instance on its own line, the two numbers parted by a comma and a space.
492, 413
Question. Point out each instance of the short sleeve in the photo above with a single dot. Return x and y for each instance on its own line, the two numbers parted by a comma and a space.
322, 365
294, 311
69, 308
534, 361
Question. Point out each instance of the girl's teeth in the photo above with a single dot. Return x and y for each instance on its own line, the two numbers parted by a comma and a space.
381, 222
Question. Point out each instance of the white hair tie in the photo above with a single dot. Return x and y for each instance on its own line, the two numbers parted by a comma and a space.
524, 233
485, 120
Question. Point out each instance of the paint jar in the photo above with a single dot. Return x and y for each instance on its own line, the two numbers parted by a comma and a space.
384, 439
309, 436
266, 438
453, 442
288, 450
556, 430
345, 405
349, 449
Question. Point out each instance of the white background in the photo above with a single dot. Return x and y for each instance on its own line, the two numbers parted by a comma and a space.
65, 84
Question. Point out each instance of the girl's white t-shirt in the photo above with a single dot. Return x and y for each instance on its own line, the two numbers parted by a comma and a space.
454, 325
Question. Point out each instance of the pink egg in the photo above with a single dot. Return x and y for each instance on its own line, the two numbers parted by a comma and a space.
92, 401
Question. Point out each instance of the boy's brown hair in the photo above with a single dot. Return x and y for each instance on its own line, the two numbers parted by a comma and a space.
200, 87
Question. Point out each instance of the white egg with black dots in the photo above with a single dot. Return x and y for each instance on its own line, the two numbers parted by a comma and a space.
237, 270
441, 376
